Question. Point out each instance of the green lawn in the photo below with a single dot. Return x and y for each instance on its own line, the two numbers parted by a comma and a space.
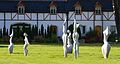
53, 54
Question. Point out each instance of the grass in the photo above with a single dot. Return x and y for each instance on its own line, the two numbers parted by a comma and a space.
53, 54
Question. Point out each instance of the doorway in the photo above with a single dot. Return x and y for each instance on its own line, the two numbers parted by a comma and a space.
20, 28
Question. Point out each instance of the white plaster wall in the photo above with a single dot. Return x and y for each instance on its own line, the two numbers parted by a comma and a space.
78, 17
98, 17
40, 16
98, 23
1, 15
46, 16
1, 24
71, 15
91, 16
87, 23
108, 23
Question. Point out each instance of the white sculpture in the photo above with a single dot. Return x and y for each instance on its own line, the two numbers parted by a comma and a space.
64, 38
25, 45
10, 47
106, 46
69, 45
75, 36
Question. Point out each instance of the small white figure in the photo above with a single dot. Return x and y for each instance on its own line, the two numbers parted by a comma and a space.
75, 36
10, 47
25, 45
106, 46
64, 38
69, 45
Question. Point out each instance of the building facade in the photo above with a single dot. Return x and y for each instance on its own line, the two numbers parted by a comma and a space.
94, 14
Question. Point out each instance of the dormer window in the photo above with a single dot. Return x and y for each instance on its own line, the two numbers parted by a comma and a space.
21, 8
77, 8
53, 8
98, 8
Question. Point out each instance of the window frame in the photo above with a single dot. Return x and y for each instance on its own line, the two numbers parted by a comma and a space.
78, 10
98, 10
53, 10
21, 10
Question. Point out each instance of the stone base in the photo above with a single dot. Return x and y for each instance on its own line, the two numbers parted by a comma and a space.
69, 48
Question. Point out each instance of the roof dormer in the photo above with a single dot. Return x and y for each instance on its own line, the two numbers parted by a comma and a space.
21, 8
53, 8
77, 7
98, 8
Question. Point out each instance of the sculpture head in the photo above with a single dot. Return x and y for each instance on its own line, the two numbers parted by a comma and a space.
25, 34
75, 26
68, 31
11, 35
106, 31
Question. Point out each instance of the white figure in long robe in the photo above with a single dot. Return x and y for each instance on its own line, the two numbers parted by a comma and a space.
69, 44
64, 38
26, 45
106, 46
75, 36
11, 45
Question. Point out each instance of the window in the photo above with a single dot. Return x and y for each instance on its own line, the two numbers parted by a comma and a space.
78, 10
113, 28
53, 10
21, 9
98, 8
98, 11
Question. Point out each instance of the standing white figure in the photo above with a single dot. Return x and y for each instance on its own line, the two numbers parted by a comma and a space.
106, 46
25, 45
69, 45
64, 38
10, 47
75, 36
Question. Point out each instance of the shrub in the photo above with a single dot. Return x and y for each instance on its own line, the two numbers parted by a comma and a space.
92, 36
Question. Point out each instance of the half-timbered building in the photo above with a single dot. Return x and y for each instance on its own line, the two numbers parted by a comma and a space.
94, 14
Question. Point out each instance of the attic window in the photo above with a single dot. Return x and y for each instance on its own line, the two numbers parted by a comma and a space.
77, 8
53, 10
98, 8
21, 10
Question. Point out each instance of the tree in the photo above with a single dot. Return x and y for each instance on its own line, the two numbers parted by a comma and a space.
42, 30
45, 33
116, 4
4, 30
7, 32
36, 30
32, 30
1, 33
39, 32
48, 31
17, 32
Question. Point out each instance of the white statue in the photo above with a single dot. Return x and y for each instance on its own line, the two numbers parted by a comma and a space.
10, 47
64, 38
75, 36
106, 46
25, 45
69, 45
